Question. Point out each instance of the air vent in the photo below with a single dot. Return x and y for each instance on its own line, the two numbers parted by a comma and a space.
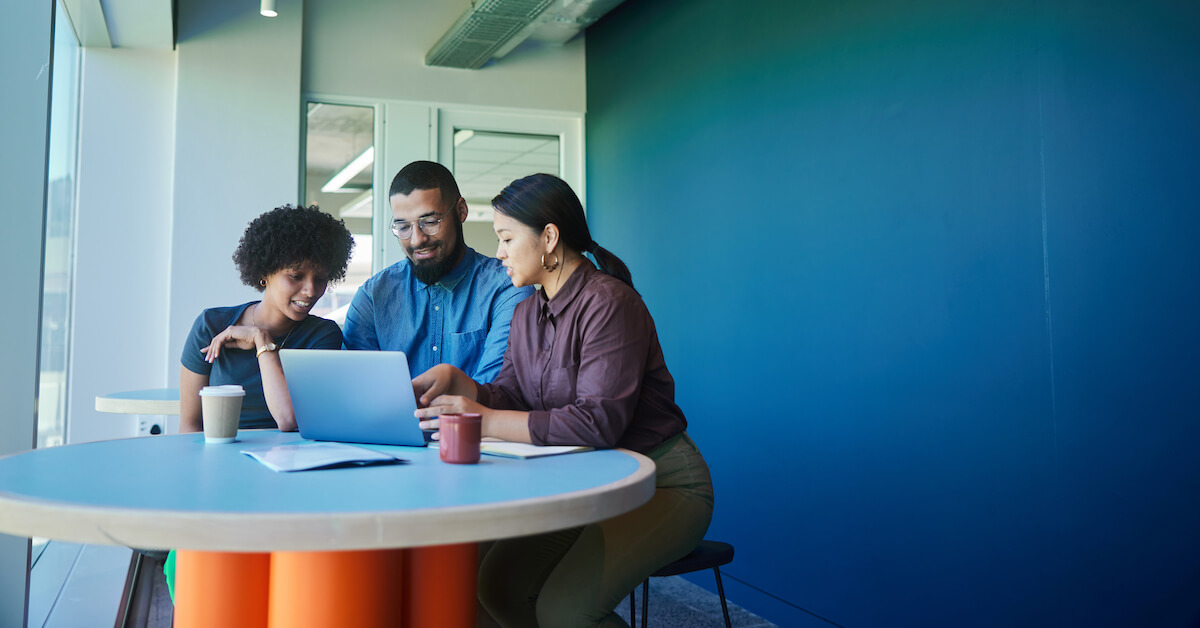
485, 27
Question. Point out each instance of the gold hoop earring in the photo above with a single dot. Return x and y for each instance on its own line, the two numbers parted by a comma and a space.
262, 282
551, 266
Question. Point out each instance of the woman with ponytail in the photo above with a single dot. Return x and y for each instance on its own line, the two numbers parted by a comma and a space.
583, 367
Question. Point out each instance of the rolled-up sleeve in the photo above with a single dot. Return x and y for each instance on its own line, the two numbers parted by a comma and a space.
503, 393
200, 336
495, 348
359, 332
587, 367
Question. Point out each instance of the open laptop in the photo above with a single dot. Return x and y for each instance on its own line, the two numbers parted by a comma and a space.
352, 396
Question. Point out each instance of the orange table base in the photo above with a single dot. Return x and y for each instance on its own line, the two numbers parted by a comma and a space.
314, 589
221, 589
441, 586
429, 586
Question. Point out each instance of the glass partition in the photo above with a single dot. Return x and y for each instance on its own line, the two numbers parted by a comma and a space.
485, 162
60, 227
58, 257
338, 174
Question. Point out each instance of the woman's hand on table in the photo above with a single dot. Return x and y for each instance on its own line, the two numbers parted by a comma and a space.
510, 425
440, 380
244, 337
447, 404
444, 389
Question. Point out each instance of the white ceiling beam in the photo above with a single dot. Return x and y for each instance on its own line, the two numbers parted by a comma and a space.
87, 17
140, 23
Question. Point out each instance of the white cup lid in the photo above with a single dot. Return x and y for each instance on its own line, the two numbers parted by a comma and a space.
229, 390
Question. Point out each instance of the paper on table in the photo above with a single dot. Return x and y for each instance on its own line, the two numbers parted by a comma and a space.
305, 456
523, 450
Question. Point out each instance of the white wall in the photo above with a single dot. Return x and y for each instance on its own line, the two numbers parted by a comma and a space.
376, 49
25, 35
126, 154
237, 146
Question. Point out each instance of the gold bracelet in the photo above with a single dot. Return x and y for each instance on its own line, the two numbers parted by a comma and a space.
270, 346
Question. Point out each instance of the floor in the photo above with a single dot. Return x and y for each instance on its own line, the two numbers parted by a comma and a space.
674, 602
150, 604
75, 585
677, 603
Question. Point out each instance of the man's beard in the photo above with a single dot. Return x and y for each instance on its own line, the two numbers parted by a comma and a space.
430, 272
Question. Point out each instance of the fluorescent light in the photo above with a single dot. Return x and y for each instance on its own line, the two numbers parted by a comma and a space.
358, 208
462, 135
267, 9
350, 171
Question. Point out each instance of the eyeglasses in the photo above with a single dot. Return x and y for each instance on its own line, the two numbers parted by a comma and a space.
430, 225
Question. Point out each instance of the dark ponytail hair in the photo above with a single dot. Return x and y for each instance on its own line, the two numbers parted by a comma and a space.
540, 199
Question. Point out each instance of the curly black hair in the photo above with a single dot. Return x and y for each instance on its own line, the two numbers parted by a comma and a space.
288, 236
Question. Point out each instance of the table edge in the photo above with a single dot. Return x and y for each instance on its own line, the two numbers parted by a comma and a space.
117, 405
256, 532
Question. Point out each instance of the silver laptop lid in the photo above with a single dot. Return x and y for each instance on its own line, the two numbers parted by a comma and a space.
352, 396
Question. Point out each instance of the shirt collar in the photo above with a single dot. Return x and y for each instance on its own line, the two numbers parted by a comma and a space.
451, 279
569, 290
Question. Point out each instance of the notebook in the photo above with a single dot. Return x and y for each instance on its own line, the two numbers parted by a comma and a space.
525, 451
352, 396
310, 456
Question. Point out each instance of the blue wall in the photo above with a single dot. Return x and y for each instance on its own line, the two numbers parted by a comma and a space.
927, 276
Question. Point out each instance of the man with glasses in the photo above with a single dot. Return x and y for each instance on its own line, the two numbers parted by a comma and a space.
445, 303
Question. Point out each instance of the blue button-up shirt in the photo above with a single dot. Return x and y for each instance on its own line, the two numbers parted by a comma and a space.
463, 319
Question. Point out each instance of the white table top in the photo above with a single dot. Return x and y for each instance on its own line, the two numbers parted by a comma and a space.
153, 401
176, 491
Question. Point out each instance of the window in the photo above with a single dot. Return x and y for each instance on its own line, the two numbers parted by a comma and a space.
487, 149
367, 142
60, 223
485, 162
58, 260
339, 174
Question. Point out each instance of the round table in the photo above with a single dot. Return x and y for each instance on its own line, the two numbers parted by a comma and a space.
156, 409
163, 401
332, 535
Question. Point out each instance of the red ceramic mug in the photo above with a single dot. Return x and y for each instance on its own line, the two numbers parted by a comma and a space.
459, 437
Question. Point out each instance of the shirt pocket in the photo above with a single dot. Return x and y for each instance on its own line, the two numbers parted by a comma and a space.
465, 349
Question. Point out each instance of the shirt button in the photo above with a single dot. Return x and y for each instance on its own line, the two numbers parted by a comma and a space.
437, 308
435, 348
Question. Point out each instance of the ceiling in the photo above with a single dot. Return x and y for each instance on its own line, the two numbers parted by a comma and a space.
486, 29
123, 23
484, 162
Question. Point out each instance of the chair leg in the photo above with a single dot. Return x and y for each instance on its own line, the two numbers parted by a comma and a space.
645, 601
721, 590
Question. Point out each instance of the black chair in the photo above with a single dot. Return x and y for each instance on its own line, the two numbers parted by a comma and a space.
707, 555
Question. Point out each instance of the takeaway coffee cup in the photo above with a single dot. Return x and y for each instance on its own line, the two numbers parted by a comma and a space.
459, 438
221, 408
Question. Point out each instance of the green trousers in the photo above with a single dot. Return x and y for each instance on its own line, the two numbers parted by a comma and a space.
169, 572
577, 577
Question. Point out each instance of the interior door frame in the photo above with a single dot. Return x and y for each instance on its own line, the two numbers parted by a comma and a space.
406, 131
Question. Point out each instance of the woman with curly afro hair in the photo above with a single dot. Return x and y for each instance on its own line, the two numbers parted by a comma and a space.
290, 255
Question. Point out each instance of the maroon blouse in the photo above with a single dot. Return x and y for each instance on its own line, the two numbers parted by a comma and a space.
588, 368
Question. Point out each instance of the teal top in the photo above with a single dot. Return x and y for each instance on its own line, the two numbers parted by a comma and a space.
239, 366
